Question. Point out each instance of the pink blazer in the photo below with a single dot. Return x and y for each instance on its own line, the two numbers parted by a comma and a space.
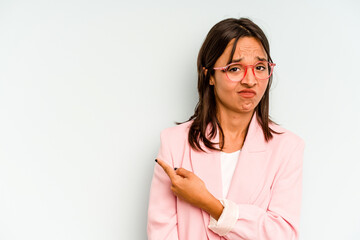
267, 186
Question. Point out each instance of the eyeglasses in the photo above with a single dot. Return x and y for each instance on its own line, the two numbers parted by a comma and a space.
236, 72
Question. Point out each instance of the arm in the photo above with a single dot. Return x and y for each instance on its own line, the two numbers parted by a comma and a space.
281, 219
162, 219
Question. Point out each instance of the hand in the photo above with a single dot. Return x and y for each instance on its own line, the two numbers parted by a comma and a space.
190, 188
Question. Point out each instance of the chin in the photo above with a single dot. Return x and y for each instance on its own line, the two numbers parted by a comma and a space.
247, 108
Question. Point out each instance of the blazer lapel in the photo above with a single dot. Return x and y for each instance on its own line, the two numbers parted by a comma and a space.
250, 166
207, 167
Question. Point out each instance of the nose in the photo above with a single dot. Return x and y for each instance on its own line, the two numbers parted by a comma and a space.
249, 78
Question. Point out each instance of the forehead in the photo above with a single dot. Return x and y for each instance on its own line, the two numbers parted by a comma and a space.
247, 48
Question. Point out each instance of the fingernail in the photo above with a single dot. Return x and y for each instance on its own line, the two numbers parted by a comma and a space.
175, 168
155, 160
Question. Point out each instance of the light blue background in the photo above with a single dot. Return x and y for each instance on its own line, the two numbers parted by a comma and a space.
87, 86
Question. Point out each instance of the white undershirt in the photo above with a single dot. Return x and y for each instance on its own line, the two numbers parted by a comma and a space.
230, 213
228, 164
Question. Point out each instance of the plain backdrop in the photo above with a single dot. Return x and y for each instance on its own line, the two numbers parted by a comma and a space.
87, 86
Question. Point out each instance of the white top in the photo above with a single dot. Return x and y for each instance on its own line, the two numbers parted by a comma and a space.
228, 164
230, 213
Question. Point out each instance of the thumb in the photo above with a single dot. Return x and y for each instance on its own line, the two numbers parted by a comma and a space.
183, 172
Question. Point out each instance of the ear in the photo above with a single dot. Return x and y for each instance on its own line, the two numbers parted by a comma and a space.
211, 81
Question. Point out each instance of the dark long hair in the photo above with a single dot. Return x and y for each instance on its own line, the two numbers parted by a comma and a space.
205, 111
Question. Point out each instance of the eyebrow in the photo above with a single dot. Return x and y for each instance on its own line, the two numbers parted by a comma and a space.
257, 57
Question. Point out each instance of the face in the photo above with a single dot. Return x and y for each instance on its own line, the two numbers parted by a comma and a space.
227, 93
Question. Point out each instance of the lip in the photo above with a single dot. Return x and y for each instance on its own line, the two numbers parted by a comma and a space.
247, 93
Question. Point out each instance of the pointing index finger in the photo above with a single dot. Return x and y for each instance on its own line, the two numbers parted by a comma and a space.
169, 170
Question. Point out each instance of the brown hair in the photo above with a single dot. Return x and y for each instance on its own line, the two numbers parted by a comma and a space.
205, 111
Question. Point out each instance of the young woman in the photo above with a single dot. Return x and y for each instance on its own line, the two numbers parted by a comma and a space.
229, 172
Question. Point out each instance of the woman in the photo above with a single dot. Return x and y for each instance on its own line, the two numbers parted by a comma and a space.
229, 172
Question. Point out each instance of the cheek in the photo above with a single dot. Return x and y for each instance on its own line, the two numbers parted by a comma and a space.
225, 89
223, 85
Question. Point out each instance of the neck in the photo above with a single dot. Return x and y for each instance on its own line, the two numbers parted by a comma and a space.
234, 125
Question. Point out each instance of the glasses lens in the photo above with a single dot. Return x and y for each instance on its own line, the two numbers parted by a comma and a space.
236, 72
261, 70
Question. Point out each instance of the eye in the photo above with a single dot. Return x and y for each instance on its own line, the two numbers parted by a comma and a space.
261, 67
235, 68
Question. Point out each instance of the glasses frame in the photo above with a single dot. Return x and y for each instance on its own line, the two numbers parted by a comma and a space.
272, 65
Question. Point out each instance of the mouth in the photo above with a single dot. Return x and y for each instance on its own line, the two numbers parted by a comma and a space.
247, 93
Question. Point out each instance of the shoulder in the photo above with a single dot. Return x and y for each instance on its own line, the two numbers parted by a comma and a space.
287, 149
177, 132
174, 142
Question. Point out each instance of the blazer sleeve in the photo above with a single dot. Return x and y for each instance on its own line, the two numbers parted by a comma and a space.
162, 216
281, 219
